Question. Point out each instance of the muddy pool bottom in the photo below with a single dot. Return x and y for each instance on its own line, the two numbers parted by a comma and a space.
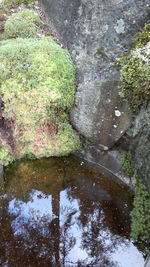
64, 212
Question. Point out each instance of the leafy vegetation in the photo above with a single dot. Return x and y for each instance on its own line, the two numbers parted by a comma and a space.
140, 215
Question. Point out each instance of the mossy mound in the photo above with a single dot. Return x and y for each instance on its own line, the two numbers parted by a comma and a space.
37, 89
22, 24
135, 72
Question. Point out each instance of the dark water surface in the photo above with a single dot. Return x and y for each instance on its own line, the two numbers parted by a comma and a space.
64, 212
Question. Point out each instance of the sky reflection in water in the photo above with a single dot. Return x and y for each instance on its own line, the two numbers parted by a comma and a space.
76, 219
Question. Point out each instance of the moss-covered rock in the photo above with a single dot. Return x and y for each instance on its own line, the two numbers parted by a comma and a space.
37, 89
135, 72
22, 24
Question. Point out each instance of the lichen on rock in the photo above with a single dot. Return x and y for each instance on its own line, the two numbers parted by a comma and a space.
37, 91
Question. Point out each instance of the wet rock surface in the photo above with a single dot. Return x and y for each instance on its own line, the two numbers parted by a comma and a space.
110, 161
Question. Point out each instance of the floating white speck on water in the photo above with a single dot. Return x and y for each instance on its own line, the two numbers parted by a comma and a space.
117, 113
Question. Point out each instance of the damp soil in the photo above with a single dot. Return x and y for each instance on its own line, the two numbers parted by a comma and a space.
64, 212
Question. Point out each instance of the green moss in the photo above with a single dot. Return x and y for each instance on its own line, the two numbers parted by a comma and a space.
140, 215
39, 68
135, 82
135, 72
126, 164
22, 24
37, 85
142, 38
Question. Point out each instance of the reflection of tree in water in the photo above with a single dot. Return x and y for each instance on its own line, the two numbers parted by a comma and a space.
98, 242
39, 242
98, 228
67, 240
25, 250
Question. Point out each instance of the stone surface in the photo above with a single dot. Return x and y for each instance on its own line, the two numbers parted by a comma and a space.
140, 145
110, 163
97, 33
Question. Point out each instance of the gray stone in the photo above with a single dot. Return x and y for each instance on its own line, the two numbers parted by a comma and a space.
140, 145
97, 33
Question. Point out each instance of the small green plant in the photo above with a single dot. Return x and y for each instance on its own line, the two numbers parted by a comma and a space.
140, 215
22, 24
126, 164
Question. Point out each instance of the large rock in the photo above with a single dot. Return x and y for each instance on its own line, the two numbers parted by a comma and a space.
97, 33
